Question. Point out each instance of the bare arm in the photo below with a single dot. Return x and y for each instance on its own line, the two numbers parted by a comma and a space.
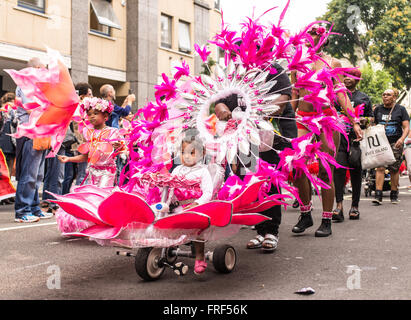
405, 131
76, 159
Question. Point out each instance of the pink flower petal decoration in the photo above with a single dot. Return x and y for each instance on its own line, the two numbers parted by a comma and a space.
122, 208
218, 211
97, 232
202, 52
185, 220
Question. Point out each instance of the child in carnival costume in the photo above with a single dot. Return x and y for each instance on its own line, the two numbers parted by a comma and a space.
101, 146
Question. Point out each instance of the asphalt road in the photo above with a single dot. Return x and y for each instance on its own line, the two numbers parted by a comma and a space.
364, 259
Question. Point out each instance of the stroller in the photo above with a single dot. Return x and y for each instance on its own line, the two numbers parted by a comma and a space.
369, 186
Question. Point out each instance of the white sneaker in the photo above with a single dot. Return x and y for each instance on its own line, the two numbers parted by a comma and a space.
28, 218
45, 215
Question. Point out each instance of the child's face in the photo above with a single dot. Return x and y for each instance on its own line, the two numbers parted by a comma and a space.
97, 118
189, 154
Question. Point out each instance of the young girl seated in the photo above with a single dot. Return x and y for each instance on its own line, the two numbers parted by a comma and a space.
193, 168
101, 144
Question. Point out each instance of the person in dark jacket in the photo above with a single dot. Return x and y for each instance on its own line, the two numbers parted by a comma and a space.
357, 98
267, 232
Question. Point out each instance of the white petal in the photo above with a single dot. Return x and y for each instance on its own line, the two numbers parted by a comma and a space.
244, 146
265, 125
231, 152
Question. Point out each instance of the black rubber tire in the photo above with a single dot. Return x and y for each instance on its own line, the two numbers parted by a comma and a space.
224, 258
145, 264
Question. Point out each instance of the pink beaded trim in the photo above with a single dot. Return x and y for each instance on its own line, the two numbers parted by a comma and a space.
306, 208
327, 215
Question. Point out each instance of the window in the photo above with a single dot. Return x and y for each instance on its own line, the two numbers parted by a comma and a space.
166, 31
184, 42
37, 5
217, 5
102, 17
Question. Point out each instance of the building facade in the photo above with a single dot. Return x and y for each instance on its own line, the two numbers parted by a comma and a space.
126, 43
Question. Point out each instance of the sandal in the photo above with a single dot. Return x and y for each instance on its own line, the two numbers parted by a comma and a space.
270, 242
255, 243
354, 214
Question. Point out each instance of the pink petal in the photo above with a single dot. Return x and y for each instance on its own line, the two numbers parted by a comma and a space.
248, 196
185, 220
97, 232
122, 208
77, 210
218, 211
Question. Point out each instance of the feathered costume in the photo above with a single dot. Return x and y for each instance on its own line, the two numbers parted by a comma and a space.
129, 213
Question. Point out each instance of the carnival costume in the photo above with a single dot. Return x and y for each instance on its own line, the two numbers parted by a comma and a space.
133, 214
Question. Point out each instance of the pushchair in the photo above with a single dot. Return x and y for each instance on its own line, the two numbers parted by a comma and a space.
370, 185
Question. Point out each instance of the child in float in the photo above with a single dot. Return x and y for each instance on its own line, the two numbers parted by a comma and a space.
192, 167
102, 144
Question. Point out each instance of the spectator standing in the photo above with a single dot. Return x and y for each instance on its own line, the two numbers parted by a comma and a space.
107, 92
357, 98
29, 167
397, 124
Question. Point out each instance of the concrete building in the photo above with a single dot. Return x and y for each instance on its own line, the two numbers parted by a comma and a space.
127, 43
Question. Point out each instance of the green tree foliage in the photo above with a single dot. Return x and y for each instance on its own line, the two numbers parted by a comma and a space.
374, 83
392, 40
374, 30
354, 31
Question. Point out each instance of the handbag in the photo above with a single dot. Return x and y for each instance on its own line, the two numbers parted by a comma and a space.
41, 144
354, 156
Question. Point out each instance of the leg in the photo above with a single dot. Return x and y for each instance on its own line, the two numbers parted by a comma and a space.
54, 176
304, 191
379, 184
269, 229
339, 178
395, 173
302, 183
356, 179
327, 195
69, 169
200, 264
27, 187
339, 181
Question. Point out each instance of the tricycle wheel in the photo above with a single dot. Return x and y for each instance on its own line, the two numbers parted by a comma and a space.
224, 258
146, 263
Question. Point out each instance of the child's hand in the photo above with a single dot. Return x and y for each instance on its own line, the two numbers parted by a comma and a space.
117, 145
63, 159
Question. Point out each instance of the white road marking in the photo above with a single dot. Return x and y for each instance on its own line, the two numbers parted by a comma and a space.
29, 226
32, 266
